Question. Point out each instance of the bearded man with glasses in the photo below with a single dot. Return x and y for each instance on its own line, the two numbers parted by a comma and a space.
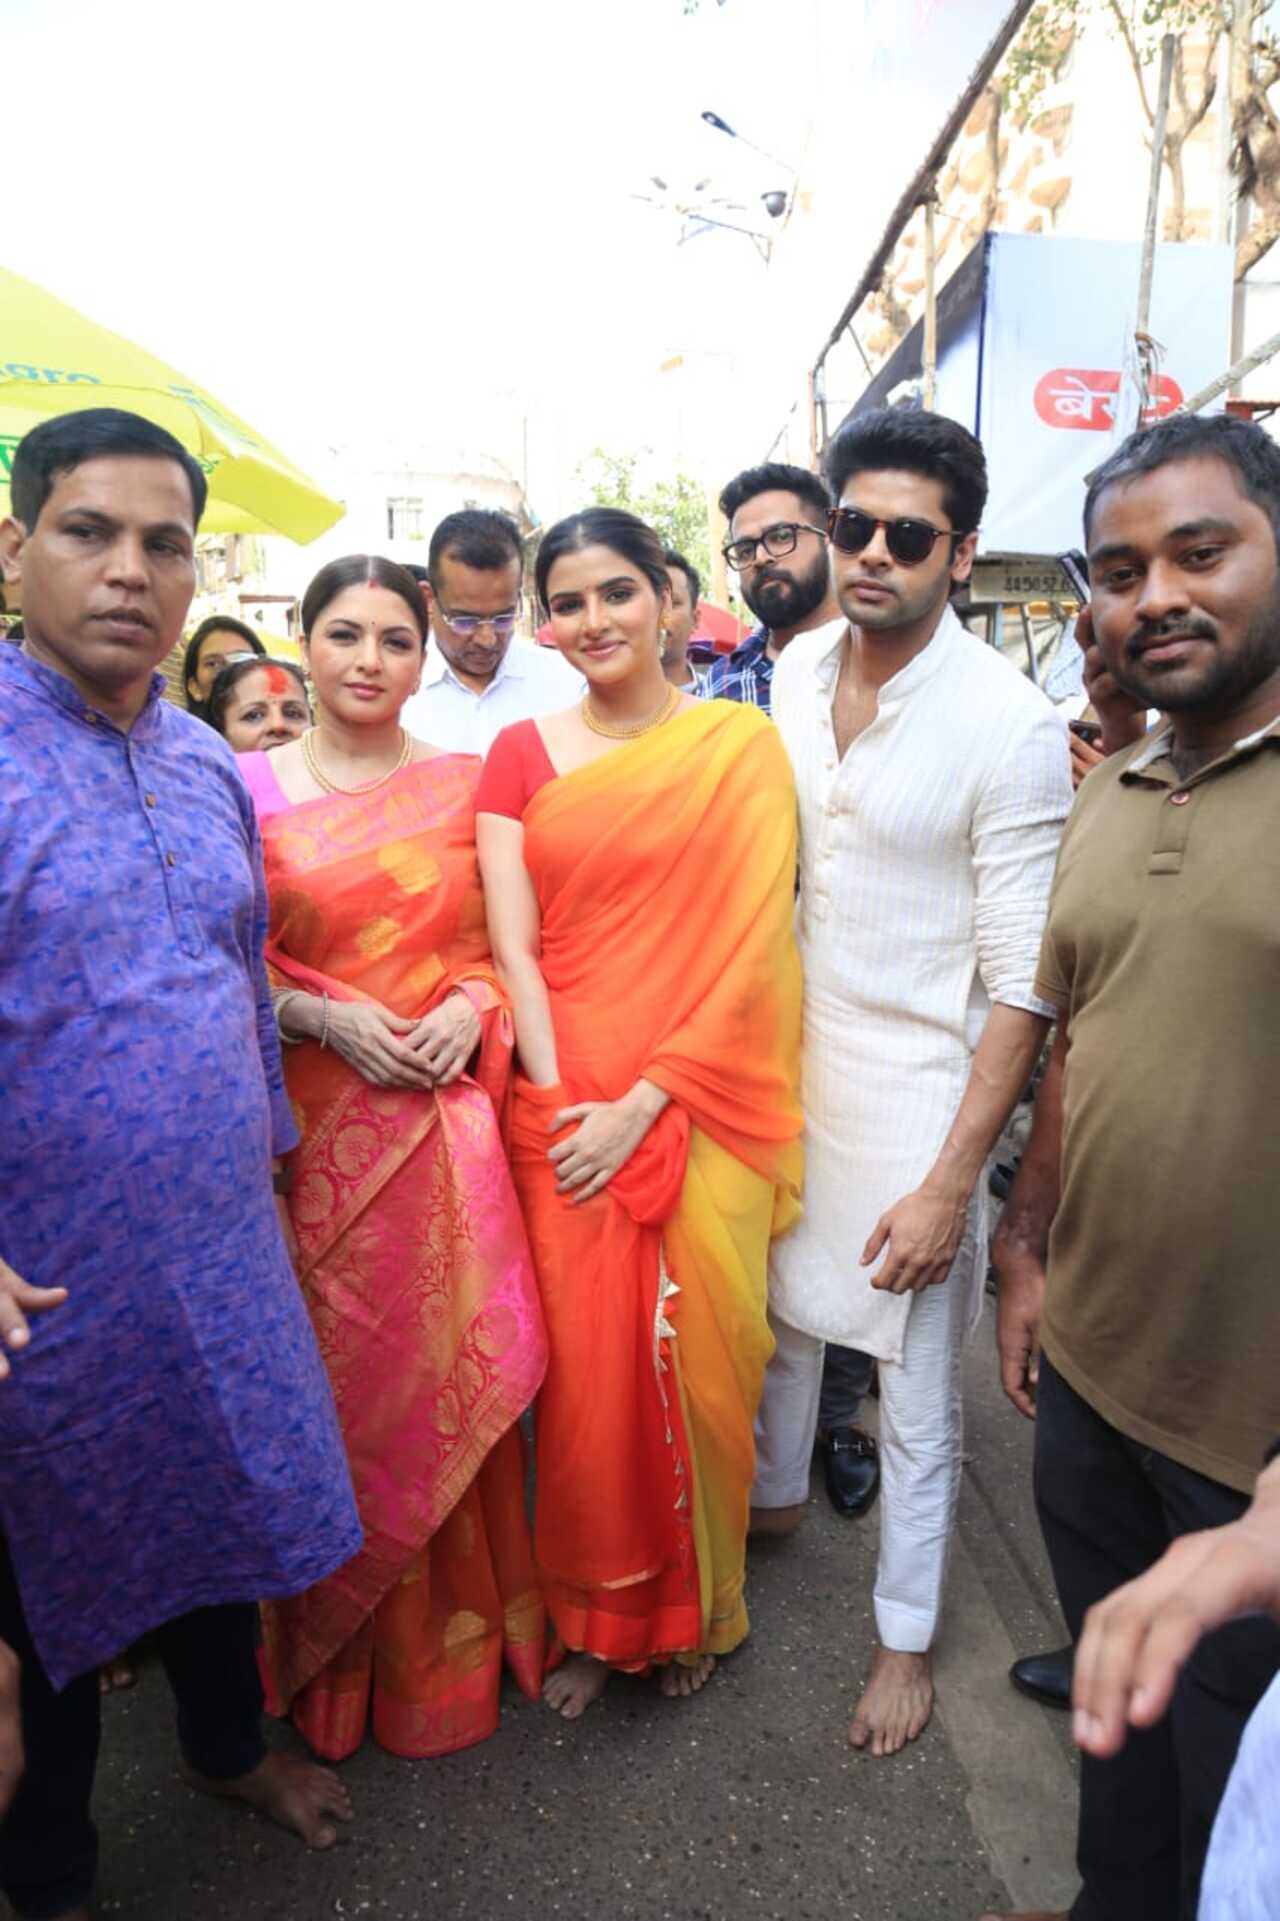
933, 788
777, 546
477, 676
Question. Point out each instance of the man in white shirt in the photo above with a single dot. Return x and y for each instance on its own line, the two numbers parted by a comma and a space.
477, 677
933, 784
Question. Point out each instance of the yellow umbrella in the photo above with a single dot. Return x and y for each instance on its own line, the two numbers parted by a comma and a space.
55, 361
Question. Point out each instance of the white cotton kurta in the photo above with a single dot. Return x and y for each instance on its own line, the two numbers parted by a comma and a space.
926, 858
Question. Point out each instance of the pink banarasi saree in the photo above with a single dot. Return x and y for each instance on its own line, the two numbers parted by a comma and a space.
417, 1274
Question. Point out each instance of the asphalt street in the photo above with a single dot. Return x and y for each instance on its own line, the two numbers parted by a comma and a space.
744, 1804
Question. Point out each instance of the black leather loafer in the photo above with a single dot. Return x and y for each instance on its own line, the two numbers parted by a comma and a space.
851, 1469
1046, 1677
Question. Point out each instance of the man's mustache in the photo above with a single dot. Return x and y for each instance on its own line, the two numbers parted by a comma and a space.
1160, 633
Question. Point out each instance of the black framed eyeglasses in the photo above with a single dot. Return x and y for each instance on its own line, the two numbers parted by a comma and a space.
465, 625
778, 540
909, 541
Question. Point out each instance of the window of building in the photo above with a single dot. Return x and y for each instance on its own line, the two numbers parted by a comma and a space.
404, 517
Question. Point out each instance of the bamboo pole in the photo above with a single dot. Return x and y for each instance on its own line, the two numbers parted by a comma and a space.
1142, 325
930, 304
1235, 373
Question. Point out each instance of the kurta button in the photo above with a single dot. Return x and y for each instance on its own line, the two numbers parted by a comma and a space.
1179, 799
150, 799
171, 860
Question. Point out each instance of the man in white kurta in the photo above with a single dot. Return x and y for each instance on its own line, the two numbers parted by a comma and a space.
933, 783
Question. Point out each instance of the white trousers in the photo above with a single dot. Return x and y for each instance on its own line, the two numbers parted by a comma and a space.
921, 1431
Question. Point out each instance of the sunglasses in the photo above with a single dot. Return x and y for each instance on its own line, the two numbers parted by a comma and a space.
909, 541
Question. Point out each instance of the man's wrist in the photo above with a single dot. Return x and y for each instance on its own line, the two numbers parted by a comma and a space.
1014, 1266
950, 1182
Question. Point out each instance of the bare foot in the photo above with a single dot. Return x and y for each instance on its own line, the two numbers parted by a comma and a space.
11, 1758
116, 1676
678, 1680
577, 1682
297, 1794
778, 1521
896, 1702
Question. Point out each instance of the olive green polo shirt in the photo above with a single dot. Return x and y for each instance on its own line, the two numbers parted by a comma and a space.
1162, 948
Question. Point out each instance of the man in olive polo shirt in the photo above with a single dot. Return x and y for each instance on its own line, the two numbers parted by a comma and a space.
1153, 1178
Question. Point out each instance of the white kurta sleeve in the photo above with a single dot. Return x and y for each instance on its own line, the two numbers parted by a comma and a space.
1017, 825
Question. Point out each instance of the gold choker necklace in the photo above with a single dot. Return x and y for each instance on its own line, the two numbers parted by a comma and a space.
612, 732
322, 780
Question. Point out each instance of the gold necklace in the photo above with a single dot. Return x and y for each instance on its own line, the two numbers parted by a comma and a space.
612, 732
365, 786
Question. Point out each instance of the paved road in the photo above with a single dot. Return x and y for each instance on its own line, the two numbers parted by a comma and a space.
743, 1805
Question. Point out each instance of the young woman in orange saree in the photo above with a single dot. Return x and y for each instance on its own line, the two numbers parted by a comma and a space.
638, 854
411, 1251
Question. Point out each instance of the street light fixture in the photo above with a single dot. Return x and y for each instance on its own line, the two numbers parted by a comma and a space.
777, 200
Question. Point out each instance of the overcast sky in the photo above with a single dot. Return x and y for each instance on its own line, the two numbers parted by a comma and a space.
395, 221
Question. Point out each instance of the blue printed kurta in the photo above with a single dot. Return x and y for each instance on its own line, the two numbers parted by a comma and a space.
168, 1439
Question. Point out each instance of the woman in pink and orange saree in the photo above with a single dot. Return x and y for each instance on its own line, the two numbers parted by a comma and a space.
410, 1248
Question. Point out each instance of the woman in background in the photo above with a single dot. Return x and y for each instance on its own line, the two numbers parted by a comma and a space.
214, 642
638, 853
411, 1251
259, 704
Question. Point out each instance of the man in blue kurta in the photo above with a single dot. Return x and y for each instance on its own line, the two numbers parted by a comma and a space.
168, 1447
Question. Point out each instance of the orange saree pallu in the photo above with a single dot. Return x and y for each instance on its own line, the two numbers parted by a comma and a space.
665, 874
417, 1274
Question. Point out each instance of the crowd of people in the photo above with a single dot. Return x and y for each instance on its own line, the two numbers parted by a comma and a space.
451, 1029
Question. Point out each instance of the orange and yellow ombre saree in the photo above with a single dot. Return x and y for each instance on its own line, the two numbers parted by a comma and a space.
665, 873
416, 1270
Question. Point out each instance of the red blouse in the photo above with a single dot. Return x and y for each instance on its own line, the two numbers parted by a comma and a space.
516, 766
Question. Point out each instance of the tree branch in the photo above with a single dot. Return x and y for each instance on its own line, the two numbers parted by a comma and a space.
1135, 59
1261, 237
1180, 79
1194, 115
